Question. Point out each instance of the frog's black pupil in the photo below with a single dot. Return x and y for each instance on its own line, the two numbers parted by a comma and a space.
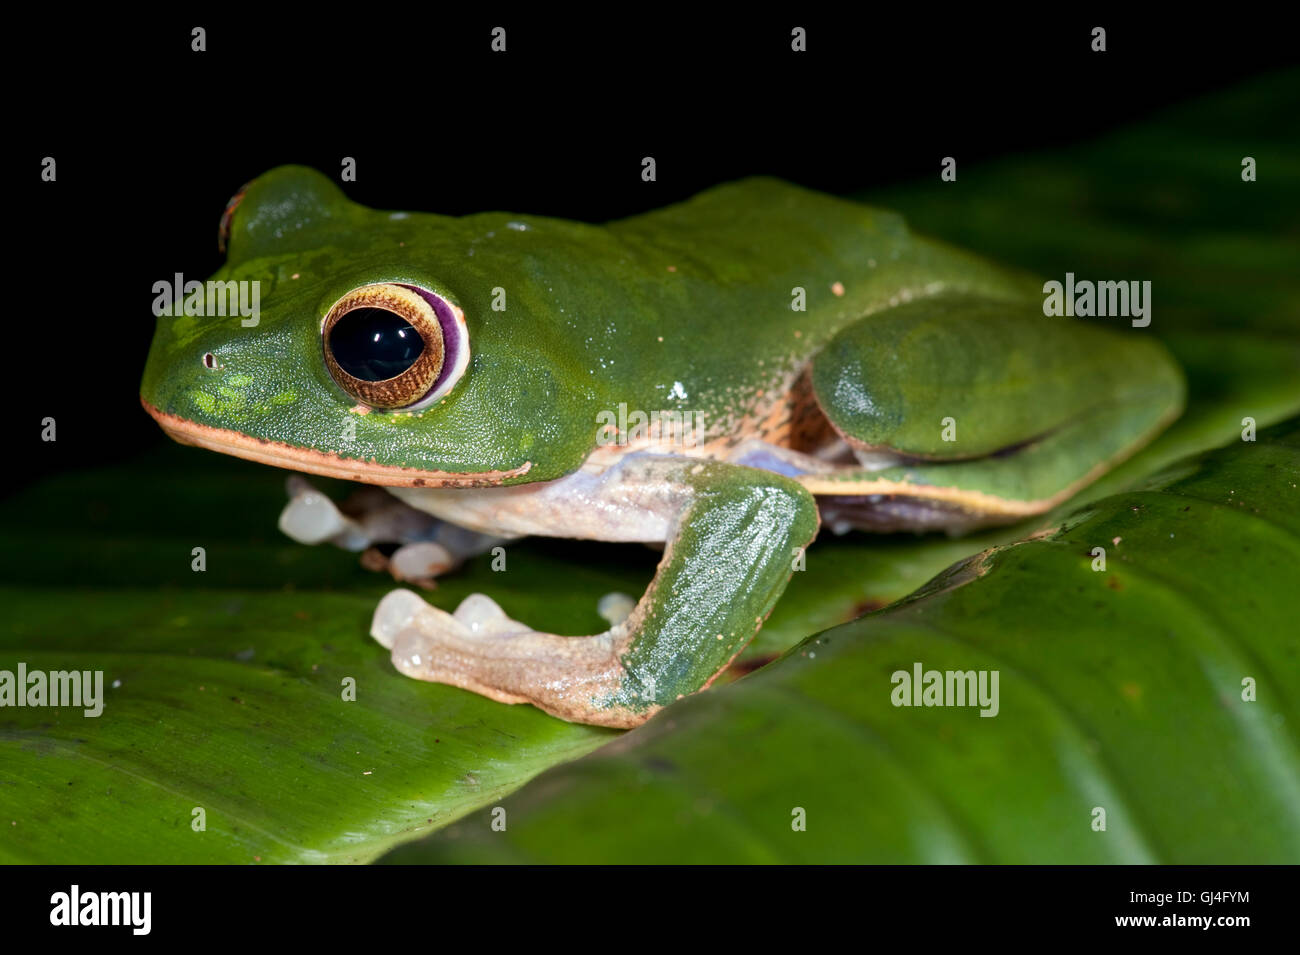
374, 344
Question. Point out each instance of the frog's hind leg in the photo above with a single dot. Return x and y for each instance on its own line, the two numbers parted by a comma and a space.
842, 512
410, 544
961, 412
733, 535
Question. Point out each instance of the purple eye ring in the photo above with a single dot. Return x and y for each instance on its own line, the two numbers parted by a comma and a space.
455, 337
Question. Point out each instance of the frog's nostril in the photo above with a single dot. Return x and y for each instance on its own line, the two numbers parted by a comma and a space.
209, 361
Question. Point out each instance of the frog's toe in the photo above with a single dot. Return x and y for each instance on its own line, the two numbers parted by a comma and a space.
615, 607
311, 517
421, 562
402, 613
394, 613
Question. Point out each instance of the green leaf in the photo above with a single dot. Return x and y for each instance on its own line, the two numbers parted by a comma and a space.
1120, 690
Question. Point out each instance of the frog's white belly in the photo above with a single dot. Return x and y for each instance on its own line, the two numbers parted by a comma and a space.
609, 499
610, 504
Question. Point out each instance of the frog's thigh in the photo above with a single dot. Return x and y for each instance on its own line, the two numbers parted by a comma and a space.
734, 534
965, 411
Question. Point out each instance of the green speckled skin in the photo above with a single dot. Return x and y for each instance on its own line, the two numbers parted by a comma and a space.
687, 309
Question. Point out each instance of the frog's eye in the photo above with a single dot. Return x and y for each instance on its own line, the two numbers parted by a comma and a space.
395, 347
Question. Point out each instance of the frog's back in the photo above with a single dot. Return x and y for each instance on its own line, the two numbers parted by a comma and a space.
726, 297
760, 234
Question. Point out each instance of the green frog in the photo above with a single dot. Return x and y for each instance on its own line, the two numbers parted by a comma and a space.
719, 377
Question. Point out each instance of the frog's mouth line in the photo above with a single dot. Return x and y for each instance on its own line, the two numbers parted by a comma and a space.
327, 464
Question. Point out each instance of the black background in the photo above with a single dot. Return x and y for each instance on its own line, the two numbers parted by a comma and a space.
151, 138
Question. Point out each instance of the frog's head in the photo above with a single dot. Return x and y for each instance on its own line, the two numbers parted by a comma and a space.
372, 346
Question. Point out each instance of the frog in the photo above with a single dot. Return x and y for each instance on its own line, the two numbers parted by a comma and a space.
721, 378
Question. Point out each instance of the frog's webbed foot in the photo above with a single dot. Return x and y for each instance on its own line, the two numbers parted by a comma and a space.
734, 533
479, 648
413, 546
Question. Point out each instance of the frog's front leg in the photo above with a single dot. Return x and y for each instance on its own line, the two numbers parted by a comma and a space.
425, 545
732, 536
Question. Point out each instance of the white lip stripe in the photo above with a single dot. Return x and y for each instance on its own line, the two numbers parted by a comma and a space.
280, 455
